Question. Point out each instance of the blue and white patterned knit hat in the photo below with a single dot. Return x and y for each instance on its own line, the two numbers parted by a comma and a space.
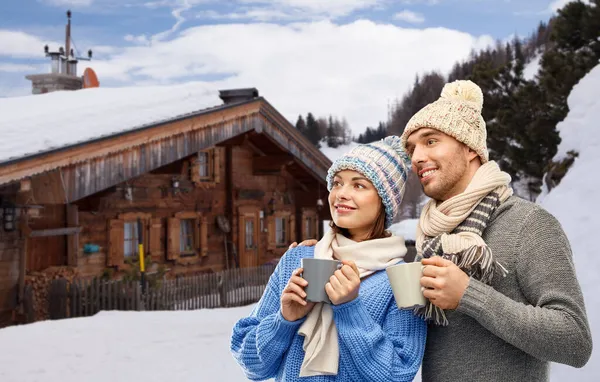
385, 164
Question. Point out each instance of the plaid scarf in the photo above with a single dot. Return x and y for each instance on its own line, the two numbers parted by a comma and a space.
463, 245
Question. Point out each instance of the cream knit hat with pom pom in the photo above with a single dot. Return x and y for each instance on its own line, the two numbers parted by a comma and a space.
456, 113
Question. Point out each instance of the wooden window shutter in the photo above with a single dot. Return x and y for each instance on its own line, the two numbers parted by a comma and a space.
194, 171
116, 243
292, 232
217, 164
155, 231
173, 248
203, 237
271, 232
146, 234
197, 239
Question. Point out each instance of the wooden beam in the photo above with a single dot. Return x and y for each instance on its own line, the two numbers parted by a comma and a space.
203, 124
72, 240
248, 142
25, 230
271, 164
55, 232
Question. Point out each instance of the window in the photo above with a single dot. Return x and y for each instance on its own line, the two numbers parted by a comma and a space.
280, 232
309, 223
130, 248
249, 233
281, 228
203, 165
124, 237
309, 227
186, 237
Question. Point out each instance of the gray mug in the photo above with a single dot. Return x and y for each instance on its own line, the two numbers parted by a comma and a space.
317, 272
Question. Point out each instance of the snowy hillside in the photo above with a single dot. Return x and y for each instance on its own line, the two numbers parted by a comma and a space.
574, 203
335, 153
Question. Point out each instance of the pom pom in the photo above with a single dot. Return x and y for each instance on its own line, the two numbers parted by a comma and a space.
464, 91
396, 143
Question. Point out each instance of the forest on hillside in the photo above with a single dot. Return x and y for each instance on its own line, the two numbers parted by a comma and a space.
521, 111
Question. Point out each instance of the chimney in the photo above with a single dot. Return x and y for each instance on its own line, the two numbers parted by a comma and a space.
238, 95
63, 68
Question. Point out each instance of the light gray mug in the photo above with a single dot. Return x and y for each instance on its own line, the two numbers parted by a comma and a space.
317, 272
405, 280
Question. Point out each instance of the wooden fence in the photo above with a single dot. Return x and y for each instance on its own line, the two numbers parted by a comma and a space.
229, 288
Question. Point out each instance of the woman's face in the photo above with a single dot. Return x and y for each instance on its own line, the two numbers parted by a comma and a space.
354, 203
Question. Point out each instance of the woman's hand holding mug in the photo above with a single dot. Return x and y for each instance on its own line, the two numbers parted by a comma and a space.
293, 299
343, 286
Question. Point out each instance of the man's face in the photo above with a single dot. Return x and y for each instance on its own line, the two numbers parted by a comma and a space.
441, 162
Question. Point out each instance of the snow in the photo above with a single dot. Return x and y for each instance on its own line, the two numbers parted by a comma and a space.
532, 68
39, 123
123, 347
406, 228
335, 153
574, 203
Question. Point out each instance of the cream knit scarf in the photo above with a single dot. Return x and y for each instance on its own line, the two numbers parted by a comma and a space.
453, 229
320, 334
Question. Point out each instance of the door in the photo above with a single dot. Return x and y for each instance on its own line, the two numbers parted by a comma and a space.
248, 237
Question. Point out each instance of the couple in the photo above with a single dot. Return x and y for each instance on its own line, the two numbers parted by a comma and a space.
503, 297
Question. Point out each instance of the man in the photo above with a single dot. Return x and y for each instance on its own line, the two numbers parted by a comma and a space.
499, 270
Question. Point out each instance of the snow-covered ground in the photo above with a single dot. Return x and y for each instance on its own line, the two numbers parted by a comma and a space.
123, 347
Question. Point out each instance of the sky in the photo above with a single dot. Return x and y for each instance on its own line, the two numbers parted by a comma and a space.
348, 58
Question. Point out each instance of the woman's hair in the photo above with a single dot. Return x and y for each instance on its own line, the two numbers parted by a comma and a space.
378, 230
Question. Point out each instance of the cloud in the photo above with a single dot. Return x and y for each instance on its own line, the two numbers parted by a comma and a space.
255, 14
68, 3
17, 68
331, 8
352, 70
409, 17
427, 2
559, 4
18, 44
139, 40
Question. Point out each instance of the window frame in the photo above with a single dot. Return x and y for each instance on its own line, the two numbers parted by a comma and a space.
193, 222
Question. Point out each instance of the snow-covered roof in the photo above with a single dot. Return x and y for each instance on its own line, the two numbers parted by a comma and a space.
38, 123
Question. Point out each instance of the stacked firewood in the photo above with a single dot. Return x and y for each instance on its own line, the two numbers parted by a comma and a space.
40, 285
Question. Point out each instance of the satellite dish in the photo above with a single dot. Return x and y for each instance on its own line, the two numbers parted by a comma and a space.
223, 224
90, 80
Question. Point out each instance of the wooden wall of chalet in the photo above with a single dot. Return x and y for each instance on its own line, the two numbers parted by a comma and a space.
159, 205
10, 245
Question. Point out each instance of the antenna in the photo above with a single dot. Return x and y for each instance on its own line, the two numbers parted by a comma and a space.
64, 60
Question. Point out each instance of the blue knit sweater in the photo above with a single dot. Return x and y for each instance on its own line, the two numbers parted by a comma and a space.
377, 341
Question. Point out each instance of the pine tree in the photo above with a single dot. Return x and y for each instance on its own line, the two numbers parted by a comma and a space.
301, 125
332, 134
312, 130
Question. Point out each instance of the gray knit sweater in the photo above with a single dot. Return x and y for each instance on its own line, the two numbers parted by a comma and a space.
513, 329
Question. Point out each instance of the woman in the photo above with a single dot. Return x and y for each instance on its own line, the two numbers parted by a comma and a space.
362, 335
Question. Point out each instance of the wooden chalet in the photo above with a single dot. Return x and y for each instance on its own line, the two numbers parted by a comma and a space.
224, 186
